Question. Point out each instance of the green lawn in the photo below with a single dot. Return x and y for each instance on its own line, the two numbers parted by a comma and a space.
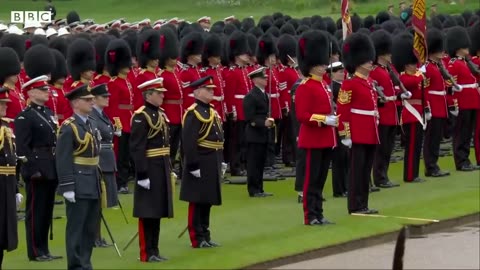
256, 230
106, 10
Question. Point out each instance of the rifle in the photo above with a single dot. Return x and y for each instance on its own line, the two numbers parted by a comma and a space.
447, 76
473, 68
379, 90
395, 79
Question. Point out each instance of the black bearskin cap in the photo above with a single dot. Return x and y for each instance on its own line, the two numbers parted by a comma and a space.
457, 38
72, 17
382, 41
265, 47
38, 61
191, 44
357, 50
287, 46
252, 44
60, 70
100, 44
16, 42
131, 37
168, 46
117, 56
60, 44
9, 62
80, 57
435, 41
237, 45
148, 47
213, 48
402, 51
288, 29
474, 33
312, 50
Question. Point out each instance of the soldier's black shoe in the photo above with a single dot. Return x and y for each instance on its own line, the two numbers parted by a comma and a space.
266, 194
300, 199
341, 195
418, 180
476, 167
466, 168
162, 258
388, 184
257, 195
374, 189
438, 173
124, 190
54, 257
365, 211
204, 244
42, 258
59, 202
154, 259
319, 222
213, 244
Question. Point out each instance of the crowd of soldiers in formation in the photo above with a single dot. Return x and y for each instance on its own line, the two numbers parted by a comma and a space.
349, 96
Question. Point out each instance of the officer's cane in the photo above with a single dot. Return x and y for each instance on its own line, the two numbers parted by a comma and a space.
110, 234
121, 209
131, 241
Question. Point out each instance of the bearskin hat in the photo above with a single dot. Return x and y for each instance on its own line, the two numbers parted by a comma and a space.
331, 26
287, 46
38, 61
252, 44
277, 15
369, 21
114, 32
265, 47
237, 45
449, 22
256, 31
72, 17
212, 48
16, 42
389, 26
229, 29
402, 51
60, 70
381, 17
36, 40
117, 56
148, 47
273, 31
288, 29
279, 22
460, 20
335, 46
312, 50
302, 29
436, 23
294, 22
466, 15
225, 60
191, 44
247, 24
168, 46
382, 41
100, 44
474, 19
364, 31
357, 50
131, 37
474, 33
357, 22
9, 62
217, 29
435, 41
80, 57
60, 44
457, 38
265, 25
318, 25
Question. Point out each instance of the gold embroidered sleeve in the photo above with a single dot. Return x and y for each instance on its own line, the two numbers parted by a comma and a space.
346, 130
344, 96
319, 118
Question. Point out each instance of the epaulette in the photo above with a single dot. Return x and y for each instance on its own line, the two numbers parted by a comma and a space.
160, 72
68, 121
6, 119
98, 76
233, 67
211, 105
192, 107
304, 81
90, 117
203, 69
452, 60
113, 78
161, 109
142, 71
75, 83
140, 110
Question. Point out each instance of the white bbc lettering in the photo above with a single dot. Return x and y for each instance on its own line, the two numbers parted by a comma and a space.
30, 16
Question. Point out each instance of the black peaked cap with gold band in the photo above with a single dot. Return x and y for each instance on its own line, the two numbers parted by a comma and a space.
81, 92
258, 73
4, 94
100, 90
205, 82
155, 84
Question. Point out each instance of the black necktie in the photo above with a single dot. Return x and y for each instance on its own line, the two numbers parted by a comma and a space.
88, 126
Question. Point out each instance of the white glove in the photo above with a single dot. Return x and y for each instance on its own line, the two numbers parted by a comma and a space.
224, 168
454, 113
332, 120
347, 142
428, 116
69, 196
406, 95
19, 199
118, 133
196, 173
145, 183
423, 69
459, 89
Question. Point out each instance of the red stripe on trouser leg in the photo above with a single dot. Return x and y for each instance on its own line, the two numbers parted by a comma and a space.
411, 150
476, 138
306, 182
141, 239
191, 226
32, 207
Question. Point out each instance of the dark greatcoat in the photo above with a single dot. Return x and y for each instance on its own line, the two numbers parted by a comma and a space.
199, 119
150, 131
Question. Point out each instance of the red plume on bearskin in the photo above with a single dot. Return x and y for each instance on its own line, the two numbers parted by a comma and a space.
148, 47
118, 56
266, 47
191, 44
100, 44
168, 45
238, 45
28, 44
162, 41
112, 56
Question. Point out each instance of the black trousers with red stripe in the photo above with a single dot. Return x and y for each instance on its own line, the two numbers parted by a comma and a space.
361, 163
286, 140
476, 138
431, 147
413, 148
238, 147
462, 137
340, 162
38, 215
148, 236
124, 161
383, 153
199, 223
316, 171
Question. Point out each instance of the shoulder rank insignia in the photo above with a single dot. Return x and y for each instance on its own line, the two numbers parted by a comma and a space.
139, 110
304, 81
68, 121
75, 83
344, 97
98, 76
192, 107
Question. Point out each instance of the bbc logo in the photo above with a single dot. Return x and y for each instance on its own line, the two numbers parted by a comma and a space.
30, 16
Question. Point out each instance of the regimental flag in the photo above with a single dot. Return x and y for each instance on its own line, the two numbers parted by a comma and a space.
419, 23
346, 21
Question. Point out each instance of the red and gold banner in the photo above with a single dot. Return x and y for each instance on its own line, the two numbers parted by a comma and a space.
419, 23
346, 22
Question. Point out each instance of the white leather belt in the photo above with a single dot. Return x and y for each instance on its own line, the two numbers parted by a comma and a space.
365, 112
472, 85
274, 95
240, 96
218, 98
437, 93
415, 101
391, 98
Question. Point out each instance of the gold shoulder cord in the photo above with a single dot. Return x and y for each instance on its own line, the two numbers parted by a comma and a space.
5, 133
207, 123
83, 144
154, 128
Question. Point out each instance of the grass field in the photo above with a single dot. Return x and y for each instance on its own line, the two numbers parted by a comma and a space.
255, 230
133, 10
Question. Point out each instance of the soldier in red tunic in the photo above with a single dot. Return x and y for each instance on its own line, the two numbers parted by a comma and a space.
266, 55
436, 95
316, 115
81, 65
191, 57
416, 110
8, 77
131, 37
387, 128
288, 75
173, 98
17, 43
148, 55
101, 43
118, 61
458, 44
237, 85
358, 126
475, 53
57, 101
